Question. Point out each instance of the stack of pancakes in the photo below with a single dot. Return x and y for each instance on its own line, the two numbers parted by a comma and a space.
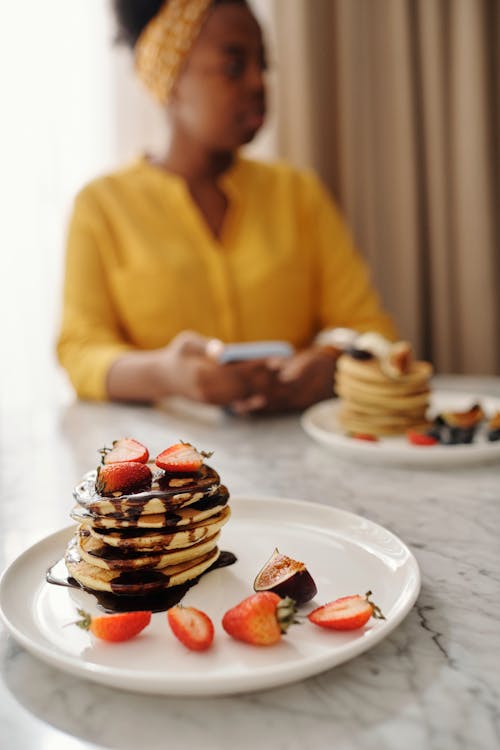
385, 394
149, 541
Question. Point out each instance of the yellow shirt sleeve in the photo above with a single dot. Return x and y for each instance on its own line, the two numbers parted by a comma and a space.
141, 266
90, 338
345, 294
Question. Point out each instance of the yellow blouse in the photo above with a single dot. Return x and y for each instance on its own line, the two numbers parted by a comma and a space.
143, 265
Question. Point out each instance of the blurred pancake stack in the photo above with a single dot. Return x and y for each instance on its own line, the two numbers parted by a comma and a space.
383, 389
146, 527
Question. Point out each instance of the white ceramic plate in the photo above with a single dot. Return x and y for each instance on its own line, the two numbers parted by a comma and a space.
320, 422
345, 554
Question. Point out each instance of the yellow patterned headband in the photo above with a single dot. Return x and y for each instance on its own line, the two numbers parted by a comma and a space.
166, 41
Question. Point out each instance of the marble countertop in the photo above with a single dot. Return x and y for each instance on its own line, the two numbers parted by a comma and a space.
434, 683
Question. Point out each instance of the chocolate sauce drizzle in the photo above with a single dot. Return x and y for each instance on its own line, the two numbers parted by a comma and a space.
158, 601
145, 586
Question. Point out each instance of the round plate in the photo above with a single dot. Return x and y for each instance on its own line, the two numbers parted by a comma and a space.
320, 422
345, 554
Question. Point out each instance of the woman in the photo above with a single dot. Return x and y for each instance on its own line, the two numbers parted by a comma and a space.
201, 243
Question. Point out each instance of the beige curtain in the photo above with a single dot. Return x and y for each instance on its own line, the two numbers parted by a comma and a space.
396, 104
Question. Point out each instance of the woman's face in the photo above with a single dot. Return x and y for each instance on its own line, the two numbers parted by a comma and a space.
219, 98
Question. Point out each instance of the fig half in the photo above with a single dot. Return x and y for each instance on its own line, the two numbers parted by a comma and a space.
286, 577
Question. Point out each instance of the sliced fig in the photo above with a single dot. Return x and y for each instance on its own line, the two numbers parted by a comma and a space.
286, 577
465, 419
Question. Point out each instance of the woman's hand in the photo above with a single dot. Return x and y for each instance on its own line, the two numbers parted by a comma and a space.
297, 383
188, 367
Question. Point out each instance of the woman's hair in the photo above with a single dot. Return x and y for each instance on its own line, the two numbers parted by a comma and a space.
133, 15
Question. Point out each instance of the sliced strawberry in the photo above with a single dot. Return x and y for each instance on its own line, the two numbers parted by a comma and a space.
191, 626
128, 476
114, 628
182, 458
125, 449
260, 619
365, 436
346, 613
420, 438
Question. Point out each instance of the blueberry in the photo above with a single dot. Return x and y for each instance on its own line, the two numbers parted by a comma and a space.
359, 353
456, 435
434, 432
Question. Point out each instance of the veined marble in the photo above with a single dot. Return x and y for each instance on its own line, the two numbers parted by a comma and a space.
433, 684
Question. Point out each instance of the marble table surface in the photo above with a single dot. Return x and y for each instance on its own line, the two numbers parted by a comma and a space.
434, 683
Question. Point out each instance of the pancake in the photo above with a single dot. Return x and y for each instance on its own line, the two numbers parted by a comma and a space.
382, 395
378, 426
157, 540
386, 402
187, 515
370, 371
134, 544
167, 493
102, 555
135, 582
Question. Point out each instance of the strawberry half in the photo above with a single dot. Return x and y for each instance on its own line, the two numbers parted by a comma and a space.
420, 438
114, 628
128, 476
260, 619
181, 458
191, 627
125, 449
365, 436
346, 613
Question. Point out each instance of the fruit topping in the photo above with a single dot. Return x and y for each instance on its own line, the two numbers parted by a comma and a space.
364, 436
114, 628
260, 619
398, 360
465, 419
347, 613
125, 449
128, 476
458, 427
192, 627
181, 458
361, 354
493, 430
373, 342
286, 577
416, 437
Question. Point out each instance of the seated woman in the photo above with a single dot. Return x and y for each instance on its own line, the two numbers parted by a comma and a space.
201, 243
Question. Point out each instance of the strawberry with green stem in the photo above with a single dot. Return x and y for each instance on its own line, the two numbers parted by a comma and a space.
181, 458
346, 613
114, 628
125, 449
127, 476
260, 619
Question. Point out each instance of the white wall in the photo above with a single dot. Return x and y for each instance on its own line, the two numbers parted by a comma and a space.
71, 109
56, 133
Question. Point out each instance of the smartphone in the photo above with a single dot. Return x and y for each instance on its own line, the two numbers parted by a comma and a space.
254, 350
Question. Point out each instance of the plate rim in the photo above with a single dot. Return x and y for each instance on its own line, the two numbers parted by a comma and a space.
267, 677
396, 455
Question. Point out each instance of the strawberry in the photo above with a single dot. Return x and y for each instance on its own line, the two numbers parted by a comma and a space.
128, 476
191, 626
260, 619
114, 628
181, 458
365, 436
347, 613
421, 438
125, 449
